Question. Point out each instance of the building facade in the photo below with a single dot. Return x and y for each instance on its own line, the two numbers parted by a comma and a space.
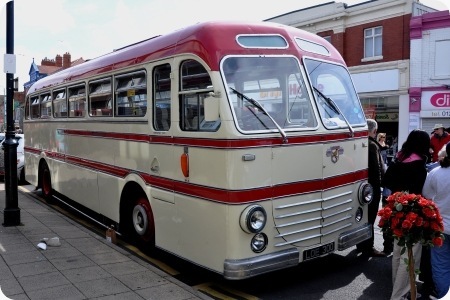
430, 70
374, 40
49, 66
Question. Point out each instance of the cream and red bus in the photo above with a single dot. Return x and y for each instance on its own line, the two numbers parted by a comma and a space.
240, 147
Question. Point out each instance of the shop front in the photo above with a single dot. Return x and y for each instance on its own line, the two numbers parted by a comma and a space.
435, 109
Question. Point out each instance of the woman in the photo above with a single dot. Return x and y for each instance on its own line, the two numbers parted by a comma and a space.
437, 188
381, 139
407, 173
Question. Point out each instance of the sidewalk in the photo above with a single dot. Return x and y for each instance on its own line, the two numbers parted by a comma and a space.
85, 266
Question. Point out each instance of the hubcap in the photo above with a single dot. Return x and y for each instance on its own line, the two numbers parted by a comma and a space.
140, 220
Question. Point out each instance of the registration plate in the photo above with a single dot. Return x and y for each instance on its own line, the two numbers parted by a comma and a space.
318, 251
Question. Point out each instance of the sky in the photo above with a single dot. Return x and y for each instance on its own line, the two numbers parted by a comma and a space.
91, 28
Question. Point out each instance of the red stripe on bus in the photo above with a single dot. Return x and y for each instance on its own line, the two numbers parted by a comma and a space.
212, 143
216, 194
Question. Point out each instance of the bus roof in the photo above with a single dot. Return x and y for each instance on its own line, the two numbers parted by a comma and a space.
207, 40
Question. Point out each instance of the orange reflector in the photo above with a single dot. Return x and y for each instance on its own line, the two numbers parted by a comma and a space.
185, 164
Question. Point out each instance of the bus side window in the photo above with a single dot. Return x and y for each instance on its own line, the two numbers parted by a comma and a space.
100, 97
77, 100
27, 108
195, 86
161, 97
60, 104
131, 94
35, 111
46, 106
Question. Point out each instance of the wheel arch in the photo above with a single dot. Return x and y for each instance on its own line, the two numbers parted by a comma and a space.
133, 190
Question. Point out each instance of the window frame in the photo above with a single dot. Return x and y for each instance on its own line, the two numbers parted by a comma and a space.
374, 37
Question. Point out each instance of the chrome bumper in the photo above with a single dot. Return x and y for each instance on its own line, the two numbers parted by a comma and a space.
245, 268
236, 269
354, 236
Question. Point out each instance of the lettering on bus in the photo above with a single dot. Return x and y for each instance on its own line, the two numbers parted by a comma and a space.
440, 100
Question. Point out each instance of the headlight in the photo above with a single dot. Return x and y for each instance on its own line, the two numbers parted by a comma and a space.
365, 193
359, 214
253, 219
259, 242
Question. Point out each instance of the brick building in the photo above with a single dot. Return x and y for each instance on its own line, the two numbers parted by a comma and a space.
374, 40
49, 66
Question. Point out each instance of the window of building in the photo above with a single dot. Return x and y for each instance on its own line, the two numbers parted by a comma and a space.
373, 43
327, 38
441, 62
161, 97
131, 94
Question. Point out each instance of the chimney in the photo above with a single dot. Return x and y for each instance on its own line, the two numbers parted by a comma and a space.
47, 62
59, 62
66, 60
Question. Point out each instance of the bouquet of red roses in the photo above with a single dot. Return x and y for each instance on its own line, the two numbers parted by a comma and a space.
411, 219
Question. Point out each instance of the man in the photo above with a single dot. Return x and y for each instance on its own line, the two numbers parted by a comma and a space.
376, 173
439, 138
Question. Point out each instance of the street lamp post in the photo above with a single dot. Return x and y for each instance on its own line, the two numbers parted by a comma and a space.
11, 213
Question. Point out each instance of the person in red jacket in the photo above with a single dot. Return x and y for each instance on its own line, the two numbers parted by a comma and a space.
439, 138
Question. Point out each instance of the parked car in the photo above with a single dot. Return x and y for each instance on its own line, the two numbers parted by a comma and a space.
20, 157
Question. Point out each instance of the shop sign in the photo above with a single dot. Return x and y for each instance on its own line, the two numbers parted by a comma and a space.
435, 113
386, 117
435, 100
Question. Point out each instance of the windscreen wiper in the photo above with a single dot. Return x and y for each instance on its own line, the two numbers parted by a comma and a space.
259, 106
333, 106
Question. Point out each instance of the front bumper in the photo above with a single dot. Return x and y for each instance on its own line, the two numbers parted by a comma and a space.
236, 269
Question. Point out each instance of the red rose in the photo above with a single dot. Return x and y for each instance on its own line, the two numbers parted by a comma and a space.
437, 241
419, 221
428, 212
411, 216
407, 224
398, 232
435, 226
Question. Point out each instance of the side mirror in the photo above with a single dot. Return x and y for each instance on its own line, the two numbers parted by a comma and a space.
211, 108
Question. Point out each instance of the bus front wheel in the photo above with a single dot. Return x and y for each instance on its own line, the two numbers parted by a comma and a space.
142, 222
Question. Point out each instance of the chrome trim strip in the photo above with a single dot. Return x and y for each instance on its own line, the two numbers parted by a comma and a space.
298, 231
298, 240
298, 222
250, 267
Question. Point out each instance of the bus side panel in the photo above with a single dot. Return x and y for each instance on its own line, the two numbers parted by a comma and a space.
31, 168
203, 240
167, 225
109, 191
79, 184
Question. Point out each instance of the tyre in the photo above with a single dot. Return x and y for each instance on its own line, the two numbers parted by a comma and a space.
46, 183
142, 222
